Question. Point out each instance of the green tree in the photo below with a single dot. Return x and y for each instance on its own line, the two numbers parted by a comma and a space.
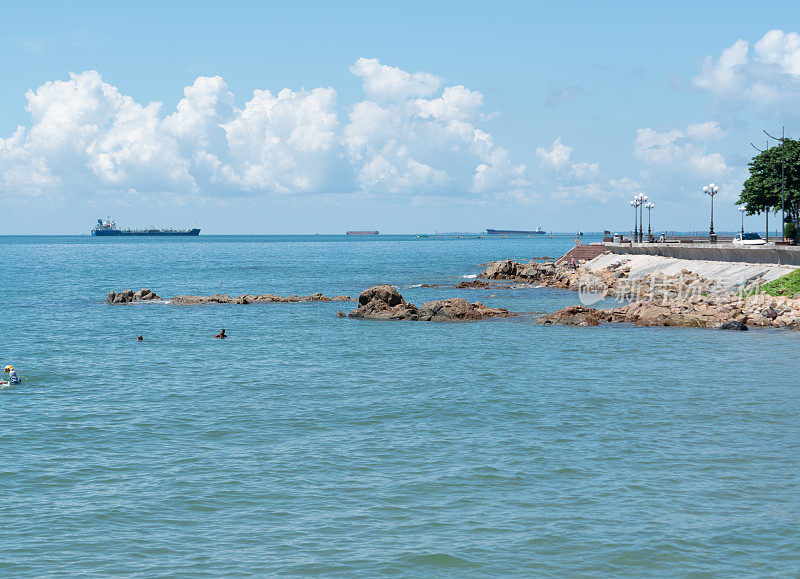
762, 190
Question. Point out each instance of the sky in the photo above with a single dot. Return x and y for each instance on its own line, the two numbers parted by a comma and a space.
321, 117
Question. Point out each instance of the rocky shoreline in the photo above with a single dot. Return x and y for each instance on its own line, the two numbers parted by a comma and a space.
682, 300
685, 299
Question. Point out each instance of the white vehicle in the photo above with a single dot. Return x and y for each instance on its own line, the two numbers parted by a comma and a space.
748, 239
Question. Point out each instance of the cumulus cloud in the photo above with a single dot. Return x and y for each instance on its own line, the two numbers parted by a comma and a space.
410, 135
767, 77
402, 143
388, 82
682, 149
556, 157
570, 181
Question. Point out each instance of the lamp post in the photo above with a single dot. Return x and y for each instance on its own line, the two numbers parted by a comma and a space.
649, 206
711, 190
642, 201
742, 209
637, 221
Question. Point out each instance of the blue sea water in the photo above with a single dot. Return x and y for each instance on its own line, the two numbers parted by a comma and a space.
311, 444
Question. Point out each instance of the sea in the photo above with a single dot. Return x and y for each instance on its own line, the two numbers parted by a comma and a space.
309, 444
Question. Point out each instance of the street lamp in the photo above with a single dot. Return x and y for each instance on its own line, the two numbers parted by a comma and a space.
742, 209
642, 201
649, 206
711, 190
635, 204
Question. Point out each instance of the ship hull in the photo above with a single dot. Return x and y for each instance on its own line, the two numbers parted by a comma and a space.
513, 232
362, 233
145, 233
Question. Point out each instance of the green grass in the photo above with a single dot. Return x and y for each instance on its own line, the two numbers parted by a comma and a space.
787, 285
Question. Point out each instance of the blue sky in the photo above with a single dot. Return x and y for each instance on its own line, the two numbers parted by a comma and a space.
411, 117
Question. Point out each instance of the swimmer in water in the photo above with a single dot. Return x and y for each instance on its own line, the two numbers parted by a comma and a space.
140, 338
221, 334
12, 376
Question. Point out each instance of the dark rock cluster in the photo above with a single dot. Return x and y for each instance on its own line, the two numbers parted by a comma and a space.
383, 302
129, 296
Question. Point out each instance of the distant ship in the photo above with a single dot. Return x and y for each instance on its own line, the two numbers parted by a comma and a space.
539, 231
108, 228
362, 233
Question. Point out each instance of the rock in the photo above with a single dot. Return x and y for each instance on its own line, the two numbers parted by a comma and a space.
128, 296
734, 326
341, 314
476, 283
458, 309
505, 269
573, 316
385, 303
192, 300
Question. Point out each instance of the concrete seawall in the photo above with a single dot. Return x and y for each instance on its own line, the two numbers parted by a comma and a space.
770, 254
727, 273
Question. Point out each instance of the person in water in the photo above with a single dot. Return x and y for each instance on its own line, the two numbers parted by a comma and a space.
140, 337
12, 375
221, 334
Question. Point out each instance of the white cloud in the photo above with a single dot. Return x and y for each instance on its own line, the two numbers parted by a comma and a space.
556, 157
409, 136
391, 83
682, 150
768, 77
708, 131
570, 182
432, 143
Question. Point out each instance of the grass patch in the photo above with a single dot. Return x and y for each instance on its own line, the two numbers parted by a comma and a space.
787, 285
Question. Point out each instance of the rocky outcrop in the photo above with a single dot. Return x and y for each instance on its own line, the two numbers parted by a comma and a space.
191, 300
129, 296
475, 283
734, 327
574, 316
383, 302
730, 313
530, 272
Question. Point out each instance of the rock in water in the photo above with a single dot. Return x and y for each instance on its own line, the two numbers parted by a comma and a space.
458, 310
476, 283
734, 326
383, 302
573, 316
128, 296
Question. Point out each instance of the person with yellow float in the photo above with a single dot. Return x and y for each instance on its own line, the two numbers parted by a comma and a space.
13, 378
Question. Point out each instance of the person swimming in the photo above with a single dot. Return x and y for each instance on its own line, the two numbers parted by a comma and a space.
13, 378
221, 334
140, 338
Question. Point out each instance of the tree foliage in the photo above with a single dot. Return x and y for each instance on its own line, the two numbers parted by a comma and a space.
762, 190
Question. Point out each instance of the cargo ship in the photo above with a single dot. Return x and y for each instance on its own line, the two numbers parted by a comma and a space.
108, 228
362, 233
539, 231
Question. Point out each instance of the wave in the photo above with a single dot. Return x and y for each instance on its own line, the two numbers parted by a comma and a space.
470, 276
